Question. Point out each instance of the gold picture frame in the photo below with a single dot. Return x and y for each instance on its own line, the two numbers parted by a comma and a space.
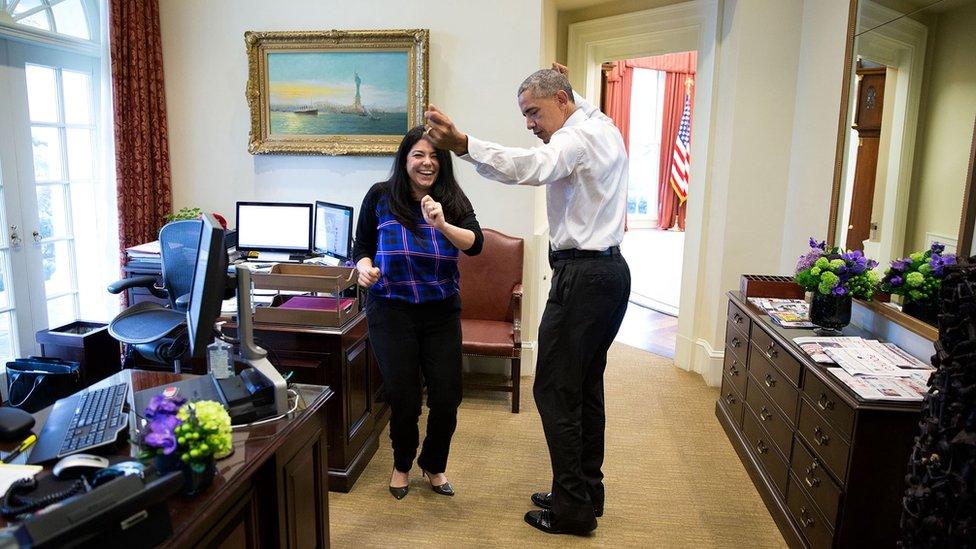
336, 92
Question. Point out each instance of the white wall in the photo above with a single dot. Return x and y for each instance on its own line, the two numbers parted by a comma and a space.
480, 52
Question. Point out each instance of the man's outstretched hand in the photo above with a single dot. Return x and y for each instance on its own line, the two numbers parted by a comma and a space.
561, 69
443, 133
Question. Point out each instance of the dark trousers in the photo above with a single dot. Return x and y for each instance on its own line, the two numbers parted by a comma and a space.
410, 341
586, 305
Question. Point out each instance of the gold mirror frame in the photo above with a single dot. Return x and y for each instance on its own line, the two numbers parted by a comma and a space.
966, 223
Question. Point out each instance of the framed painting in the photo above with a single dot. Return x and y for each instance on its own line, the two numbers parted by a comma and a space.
335, 92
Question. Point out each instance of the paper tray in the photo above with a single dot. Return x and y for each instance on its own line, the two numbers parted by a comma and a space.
308, 310
305, 278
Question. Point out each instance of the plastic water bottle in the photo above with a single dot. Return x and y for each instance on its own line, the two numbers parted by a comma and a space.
219, 360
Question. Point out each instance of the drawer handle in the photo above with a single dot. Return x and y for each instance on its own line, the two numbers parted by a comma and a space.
810, 478
732, 369
735, 343
771, 351
737, 318
761, 448
820, 437
770, 381
824, 403
730, 398
805, 519
765, 414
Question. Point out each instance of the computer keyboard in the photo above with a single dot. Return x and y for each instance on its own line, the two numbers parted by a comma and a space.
96, 420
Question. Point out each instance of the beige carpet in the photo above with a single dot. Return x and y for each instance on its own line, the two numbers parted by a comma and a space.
672, 478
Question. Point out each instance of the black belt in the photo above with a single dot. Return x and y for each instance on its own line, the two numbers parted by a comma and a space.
562, 255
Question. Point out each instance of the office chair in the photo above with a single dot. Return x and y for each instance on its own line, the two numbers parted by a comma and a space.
151, 329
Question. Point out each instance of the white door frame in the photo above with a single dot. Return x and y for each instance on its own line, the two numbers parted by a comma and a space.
679, 27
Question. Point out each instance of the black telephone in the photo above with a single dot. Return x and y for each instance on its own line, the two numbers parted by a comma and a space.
16, 501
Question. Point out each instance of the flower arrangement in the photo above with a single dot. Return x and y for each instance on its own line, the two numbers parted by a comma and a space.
195, 431
193, 213
836, 272
918, 277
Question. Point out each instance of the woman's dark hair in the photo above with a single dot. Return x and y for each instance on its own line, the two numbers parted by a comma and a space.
444, 190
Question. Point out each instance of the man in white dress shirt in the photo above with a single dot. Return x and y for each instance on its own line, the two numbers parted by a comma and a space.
583, 164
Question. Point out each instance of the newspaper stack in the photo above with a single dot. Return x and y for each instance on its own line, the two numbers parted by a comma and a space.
874, 370
788, 313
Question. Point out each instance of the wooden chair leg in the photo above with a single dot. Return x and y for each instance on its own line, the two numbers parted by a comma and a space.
516, 383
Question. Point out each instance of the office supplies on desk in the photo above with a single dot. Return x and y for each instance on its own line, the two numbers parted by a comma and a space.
27, 443
86, 420
14, 423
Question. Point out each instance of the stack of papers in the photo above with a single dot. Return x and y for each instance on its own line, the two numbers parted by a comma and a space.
788, 313
874, 370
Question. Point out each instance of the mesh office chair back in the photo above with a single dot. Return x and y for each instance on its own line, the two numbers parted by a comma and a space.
178, 243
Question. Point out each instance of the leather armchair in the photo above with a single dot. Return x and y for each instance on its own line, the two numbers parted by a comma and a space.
491, 306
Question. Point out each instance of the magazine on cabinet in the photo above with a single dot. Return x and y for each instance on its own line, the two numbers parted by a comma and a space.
816, 346
910, 388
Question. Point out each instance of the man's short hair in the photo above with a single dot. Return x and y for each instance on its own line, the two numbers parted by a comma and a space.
545, 83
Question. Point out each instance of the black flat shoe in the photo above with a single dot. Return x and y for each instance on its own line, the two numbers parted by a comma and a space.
544, 500
542, 519
442, 489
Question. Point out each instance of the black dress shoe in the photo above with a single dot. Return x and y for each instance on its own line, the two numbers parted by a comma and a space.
443, 489
542, 519
544, 500
400, 492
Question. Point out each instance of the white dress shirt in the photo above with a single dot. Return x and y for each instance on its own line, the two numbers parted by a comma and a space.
584, 168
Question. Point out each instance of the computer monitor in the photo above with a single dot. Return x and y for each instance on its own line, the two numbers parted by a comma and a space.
333, 230
274, 227
209, 284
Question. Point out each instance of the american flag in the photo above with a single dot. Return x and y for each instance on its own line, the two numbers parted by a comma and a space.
682, 158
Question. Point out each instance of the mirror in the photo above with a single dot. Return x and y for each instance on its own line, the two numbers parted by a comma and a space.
907, 132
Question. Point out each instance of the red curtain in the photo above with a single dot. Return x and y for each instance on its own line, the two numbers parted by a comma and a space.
141, 139
619, 80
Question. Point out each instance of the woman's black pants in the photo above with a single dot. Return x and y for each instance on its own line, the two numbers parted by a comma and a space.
419, 346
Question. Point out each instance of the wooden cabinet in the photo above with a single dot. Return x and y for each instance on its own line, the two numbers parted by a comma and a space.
829, 466
342, 359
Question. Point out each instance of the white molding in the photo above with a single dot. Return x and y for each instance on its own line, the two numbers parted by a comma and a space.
698, 356
23, 33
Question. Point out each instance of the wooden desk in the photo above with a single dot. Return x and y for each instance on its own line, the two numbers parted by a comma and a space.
271, 492
829, 465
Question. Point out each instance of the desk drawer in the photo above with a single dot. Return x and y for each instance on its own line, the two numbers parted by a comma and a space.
774, 352
815, 529
769, 417
732, 400
735, 370
829, 405
739, 319
778, 387
815, 480
737, 343
824, 440
761, 446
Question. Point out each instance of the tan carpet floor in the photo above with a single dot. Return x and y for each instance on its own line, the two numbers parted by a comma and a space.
672, 478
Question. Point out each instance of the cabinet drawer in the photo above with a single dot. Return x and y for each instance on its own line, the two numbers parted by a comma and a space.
737, 343
831, 407
769, 417
815, 480
824, 440
774, 352
735, 370
812, 524
779, 389
765, 452
739, 320
732, 401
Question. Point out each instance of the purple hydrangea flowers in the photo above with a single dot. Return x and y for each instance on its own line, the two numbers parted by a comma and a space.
161, 413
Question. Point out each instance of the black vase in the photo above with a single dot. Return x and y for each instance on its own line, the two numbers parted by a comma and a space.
830, 312
926, 311
193, 482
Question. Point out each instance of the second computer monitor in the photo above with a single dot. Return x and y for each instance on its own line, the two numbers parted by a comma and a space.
274, 227
333, 230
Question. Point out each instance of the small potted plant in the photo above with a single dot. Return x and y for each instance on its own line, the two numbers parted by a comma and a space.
186, 436
835, 277
917, 279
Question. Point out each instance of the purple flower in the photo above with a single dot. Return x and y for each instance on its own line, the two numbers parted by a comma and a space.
161, 405
856, 262
939, 263
822, 245
839, 290
901, 265
164, 441
896, 281
937, 248
807, 260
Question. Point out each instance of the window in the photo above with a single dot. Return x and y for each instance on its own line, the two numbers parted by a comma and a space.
646, 108
65, 17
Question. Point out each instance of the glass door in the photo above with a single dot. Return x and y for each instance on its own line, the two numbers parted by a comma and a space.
52, 105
